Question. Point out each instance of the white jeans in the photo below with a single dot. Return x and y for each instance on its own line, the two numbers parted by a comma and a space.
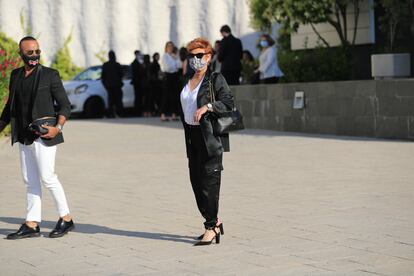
38, 166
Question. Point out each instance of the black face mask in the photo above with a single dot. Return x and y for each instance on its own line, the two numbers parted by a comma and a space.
31, 61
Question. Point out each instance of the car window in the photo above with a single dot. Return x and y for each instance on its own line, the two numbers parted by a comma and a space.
92, 73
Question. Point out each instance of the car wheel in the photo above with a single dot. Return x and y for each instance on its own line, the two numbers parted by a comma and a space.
94, 108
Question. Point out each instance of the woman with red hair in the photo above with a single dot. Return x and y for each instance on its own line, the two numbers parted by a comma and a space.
205, 148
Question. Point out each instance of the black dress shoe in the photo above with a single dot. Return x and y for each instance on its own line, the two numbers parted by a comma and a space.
24, 232
62, 227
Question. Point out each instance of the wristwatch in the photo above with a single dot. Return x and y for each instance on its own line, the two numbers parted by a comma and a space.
210, 107
60, 127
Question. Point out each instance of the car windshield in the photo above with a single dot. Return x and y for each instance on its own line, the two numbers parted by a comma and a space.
92, 73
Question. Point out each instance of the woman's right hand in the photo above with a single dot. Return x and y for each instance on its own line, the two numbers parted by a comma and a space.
199, 113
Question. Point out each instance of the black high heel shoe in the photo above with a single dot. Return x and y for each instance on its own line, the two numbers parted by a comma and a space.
216, 237
221, 231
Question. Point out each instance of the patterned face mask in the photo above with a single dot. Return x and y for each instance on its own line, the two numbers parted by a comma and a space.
197, 63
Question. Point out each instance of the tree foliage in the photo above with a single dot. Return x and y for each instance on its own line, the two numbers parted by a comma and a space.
63, 61
9, 60
398, 16
292, 13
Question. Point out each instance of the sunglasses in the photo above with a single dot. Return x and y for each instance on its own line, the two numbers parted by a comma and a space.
31, 52
199, 55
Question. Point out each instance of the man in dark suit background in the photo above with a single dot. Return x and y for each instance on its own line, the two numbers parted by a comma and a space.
33, 90
112, 81
138, 76
231, 52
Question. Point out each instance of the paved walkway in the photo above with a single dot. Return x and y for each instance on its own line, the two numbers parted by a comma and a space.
291, 205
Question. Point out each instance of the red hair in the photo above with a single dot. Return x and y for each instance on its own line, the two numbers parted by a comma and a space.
200, 43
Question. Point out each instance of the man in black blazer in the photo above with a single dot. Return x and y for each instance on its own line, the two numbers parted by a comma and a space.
138, 75
33, 90
230, 54
111, 78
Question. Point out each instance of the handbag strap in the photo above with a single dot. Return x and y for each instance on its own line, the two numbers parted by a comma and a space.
212, 89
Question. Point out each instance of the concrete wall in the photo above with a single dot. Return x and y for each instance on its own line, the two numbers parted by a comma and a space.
370, 108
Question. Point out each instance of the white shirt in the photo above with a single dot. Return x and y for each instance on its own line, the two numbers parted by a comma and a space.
189, 103
268, 64
169, 64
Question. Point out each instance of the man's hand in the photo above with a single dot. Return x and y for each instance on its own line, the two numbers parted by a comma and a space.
53, 131
199, 113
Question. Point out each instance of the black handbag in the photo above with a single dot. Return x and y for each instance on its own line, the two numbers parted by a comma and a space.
225, 122
36, 125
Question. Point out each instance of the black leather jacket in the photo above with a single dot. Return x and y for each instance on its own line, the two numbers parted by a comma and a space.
215, 145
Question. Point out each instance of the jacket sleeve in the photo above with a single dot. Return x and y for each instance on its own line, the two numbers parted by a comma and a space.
5, 115
59, 94
224, 98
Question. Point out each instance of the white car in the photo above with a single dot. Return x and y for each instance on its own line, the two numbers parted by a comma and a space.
89, 97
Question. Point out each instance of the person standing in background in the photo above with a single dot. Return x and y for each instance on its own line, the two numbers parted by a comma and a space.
268, 67
112, 81
230, 54
215, 63
170, 65
184, 64
248, 68
137, 71
148, 103
156, 78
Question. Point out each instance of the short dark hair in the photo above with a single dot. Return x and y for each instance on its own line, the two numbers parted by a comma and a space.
26, 38
136, 52
111, 55
249, 55
225, 29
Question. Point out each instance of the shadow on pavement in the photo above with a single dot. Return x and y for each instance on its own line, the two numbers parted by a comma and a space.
155, 122
97, 229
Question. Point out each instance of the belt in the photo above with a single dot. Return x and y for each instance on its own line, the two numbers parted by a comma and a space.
193, 126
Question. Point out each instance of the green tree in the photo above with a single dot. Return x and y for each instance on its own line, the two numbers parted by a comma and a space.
9, 60
63, 61
292, 13
398, 16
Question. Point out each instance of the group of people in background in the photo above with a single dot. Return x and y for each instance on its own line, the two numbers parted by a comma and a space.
158, 82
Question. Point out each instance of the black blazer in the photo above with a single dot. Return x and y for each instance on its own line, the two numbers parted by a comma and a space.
47, 90
215, 145
230, 54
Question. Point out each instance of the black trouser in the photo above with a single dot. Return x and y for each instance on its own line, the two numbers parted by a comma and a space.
138, 91
115, 101
171, 94
205, 177
232, 77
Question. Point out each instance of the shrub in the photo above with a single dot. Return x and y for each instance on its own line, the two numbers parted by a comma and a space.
9, 60
320, 64
63, 61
